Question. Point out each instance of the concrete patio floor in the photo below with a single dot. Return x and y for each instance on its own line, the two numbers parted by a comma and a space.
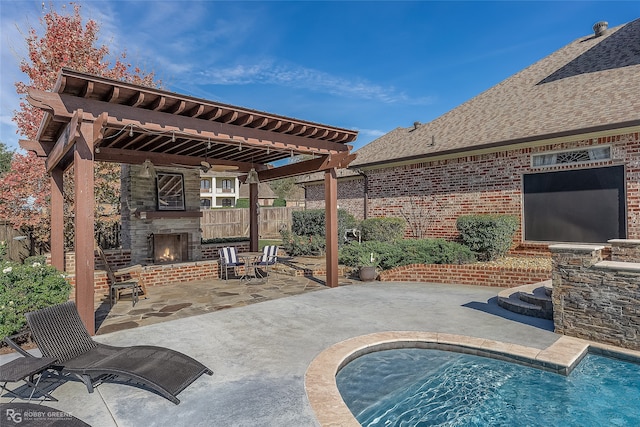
260, 352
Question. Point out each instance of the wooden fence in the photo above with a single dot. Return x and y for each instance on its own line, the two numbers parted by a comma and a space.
18, 245
235, 222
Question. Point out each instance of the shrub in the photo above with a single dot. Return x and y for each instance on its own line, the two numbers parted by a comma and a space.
382, 229
27, 287
296, 245
308, 223
224, 240
312, 223
404, 252
489, 235
242, 203
279, 203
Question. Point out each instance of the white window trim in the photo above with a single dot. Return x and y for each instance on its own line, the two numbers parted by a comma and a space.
584, 162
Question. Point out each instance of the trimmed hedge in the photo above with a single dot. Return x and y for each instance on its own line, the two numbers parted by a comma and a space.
224, 240
382, 229
279, 203
242, 203
404, 252
489, 235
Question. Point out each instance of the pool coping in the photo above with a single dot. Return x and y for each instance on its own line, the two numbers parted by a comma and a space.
330, 410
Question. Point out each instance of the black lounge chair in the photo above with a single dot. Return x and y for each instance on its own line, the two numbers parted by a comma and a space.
60, 334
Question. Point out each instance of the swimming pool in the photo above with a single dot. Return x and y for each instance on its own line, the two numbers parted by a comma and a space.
424, 387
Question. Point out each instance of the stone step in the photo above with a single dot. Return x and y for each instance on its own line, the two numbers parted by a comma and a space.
530, 300
538, 297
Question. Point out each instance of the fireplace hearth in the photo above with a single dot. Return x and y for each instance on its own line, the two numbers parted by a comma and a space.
169, 248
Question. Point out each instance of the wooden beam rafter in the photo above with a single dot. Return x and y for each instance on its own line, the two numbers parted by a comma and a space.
61, 106
162, 159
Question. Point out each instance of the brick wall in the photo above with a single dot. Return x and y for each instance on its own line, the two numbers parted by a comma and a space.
350, 196
595, 299
155, 275
437, 193
465, 274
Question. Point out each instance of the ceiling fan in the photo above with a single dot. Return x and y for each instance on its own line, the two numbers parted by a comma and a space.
205, 166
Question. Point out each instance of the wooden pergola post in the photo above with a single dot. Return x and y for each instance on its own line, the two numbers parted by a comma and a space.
57, 219
253, 217
84, 224
331, 217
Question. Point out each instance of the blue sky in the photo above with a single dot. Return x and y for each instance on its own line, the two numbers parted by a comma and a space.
367, 66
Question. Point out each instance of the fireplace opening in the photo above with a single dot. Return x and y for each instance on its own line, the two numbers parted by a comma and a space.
168, 248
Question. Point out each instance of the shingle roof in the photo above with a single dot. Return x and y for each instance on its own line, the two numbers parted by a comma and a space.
592, 83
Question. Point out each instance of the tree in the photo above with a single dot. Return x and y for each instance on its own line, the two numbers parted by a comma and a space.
5, 158
284, 187
66, 42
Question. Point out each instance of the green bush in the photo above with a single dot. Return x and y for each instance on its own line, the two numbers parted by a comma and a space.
296, 245
242, 203
382, 229
404, 252
308, 223
27, 287
224, 240
312, 223
489, 235
279, 203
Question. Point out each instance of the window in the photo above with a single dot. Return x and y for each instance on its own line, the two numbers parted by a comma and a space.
581, 155
227, 186
227, 203
205, 203
170, 187
205, 184
583, 205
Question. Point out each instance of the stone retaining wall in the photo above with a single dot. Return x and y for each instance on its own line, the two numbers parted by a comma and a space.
465, 274
595, 299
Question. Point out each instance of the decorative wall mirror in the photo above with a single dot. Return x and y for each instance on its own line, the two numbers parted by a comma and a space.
170, 188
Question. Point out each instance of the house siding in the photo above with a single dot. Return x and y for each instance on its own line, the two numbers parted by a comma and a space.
432, 195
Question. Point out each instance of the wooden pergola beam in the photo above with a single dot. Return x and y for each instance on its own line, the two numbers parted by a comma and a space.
62, 106
341, 160
117, 155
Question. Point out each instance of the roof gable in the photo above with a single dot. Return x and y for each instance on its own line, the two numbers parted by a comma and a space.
590, 84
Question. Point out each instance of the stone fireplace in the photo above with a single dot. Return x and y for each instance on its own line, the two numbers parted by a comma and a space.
169, 248
154, 235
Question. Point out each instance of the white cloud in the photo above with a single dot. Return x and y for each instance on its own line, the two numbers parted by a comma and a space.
291, 75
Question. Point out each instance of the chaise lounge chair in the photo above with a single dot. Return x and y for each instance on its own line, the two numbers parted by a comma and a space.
60, 334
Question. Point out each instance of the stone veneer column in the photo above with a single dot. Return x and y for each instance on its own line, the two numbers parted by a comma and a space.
627, 250
595, 299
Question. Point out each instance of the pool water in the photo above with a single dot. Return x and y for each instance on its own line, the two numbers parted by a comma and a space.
419, 387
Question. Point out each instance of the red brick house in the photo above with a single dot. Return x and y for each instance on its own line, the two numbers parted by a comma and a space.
557, 144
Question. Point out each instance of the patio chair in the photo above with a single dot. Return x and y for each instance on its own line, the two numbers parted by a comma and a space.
229, 259
133, 282
269, 258
60, 334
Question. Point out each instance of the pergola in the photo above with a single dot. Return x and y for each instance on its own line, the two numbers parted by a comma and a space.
89, 118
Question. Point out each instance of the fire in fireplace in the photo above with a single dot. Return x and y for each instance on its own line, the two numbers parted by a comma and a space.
169, 248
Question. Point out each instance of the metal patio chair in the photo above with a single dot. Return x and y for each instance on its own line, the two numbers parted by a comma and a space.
229, 259
269, 258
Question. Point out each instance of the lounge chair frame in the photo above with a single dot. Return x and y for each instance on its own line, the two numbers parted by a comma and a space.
59, 333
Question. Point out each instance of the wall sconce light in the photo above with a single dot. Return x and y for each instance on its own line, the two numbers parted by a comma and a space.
252, 177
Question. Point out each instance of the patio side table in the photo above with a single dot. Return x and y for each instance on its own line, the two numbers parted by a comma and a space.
251, 260
25, 369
